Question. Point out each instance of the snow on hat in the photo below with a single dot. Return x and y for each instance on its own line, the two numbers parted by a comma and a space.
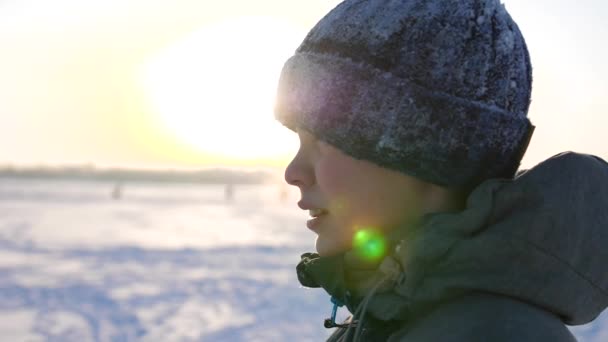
436, 89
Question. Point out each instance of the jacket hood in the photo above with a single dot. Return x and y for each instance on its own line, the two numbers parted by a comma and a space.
540, 237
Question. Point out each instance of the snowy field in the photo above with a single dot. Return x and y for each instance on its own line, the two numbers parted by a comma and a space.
166, 262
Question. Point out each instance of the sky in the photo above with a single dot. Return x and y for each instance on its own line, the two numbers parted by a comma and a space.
190, 83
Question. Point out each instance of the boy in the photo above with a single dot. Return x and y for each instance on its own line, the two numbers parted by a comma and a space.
412, 119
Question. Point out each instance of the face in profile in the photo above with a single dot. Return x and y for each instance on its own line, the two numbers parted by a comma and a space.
345, 195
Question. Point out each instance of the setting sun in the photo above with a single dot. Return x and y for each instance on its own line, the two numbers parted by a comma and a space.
214, 89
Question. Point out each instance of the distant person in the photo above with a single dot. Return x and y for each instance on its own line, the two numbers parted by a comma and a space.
229, 192
117, 191
412, 120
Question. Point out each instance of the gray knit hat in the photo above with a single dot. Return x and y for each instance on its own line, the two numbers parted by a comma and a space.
436, 89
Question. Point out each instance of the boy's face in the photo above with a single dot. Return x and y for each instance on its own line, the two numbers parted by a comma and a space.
345, 195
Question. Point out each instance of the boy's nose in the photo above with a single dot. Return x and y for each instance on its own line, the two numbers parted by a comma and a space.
299, 172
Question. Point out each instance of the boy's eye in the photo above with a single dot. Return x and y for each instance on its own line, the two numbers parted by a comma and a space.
323, 146
310, 143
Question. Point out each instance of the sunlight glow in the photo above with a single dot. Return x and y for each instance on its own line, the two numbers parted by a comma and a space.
215, 89
369, 243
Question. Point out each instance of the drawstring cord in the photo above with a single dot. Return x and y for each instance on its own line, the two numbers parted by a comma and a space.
360, 313
365, 304
331, 322
391, 272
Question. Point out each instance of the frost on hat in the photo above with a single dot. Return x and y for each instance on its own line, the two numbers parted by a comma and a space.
436, 89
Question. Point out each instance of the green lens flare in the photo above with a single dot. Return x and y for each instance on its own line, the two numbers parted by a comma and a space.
369, 243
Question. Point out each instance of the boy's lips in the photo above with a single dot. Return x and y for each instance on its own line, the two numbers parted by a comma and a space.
315, 223
312, 208
317, 213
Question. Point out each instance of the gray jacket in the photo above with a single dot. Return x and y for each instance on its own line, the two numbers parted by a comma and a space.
525, 257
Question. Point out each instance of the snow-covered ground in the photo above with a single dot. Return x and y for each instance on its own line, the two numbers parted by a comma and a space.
166, 262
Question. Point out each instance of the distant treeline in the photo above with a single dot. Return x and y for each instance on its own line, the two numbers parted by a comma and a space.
207, 176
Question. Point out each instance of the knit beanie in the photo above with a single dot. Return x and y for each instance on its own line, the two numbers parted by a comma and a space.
436, 89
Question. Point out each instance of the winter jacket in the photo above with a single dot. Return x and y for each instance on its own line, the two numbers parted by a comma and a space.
525, 257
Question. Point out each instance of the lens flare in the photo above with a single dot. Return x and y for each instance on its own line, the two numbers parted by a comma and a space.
369, 243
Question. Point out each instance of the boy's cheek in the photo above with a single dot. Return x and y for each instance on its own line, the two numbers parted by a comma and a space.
349, 183
332, 176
